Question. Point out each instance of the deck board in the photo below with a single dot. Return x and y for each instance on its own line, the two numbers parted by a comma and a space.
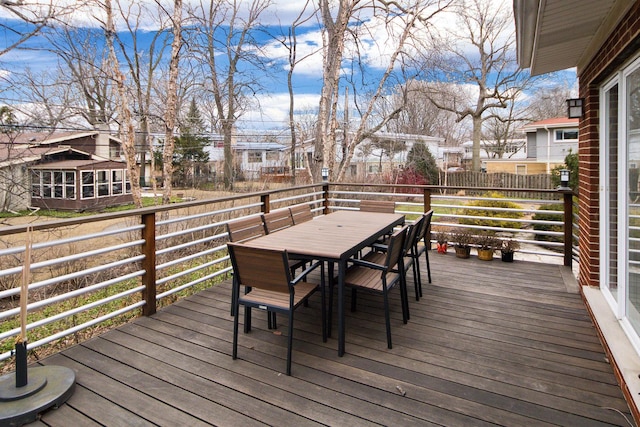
490, 343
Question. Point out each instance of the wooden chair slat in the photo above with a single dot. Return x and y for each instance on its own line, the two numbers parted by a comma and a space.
381, 206
277, 220
301, 213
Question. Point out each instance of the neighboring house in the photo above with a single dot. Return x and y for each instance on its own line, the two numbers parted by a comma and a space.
371, 156
602, 39
547, 144
257, 159
78, 171
549, 141
515, 151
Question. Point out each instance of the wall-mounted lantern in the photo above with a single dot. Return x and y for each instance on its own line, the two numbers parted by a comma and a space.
325, 174
575, 108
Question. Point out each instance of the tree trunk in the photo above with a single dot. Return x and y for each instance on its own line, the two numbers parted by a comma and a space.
477, 136
172, 101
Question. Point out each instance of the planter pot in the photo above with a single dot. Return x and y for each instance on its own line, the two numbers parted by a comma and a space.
463, 251
485, 254
507, 256
441, 247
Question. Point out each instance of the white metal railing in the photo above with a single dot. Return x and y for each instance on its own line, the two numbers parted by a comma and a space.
89, 270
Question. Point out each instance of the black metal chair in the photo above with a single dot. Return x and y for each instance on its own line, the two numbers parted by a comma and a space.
366, 275
409, 259
242, 230
422, 244
266, 275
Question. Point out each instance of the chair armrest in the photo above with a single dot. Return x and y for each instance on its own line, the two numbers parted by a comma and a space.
308, 270
380, 246
369, 264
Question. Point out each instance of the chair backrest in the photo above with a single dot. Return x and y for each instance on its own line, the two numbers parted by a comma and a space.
426, 224
245, 229
381, 206
258, 268
277, 220
412, 235
301, 213
395, 249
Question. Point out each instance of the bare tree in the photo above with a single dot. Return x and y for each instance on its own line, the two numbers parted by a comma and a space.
84, 61
37, 14
48, 98
172, 101
501, 132
144, 63
548, 102
419, 116
402, 22
225, 62
290, 43
127, 129
12, 182
487, 29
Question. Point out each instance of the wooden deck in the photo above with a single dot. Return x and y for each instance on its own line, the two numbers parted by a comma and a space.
490, 343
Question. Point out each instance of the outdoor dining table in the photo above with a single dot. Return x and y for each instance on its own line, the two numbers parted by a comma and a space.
333, 238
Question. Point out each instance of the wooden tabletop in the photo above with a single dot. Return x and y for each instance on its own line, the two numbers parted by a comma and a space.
331, 237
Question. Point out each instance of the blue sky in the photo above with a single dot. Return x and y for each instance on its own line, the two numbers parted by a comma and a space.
274, 100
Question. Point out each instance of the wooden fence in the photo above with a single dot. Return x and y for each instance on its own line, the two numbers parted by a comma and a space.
496, 180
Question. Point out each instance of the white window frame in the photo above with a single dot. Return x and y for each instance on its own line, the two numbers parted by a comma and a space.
564, 131
618, 307
92, 184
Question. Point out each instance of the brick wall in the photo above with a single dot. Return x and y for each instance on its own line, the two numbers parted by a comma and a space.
621, 45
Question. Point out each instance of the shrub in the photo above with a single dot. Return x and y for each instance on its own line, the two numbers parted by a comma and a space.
502, 222
541, 216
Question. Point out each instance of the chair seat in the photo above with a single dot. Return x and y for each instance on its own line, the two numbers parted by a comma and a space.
279, 300
369, 278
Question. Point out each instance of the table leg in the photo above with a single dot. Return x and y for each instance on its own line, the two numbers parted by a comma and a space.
331, 289
342, 268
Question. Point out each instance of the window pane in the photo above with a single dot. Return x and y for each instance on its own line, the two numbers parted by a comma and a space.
254, 156
611, 117
87, 177
633, 205
570, 134
88, 185
36, 190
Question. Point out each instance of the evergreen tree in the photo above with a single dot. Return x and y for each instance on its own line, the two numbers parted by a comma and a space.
422, 162
190, 157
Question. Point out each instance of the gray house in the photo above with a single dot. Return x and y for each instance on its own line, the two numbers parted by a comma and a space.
550, 140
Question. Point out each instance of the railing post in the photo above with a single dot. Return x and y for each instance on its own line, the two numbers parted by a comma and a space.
568, 226
325, 190
149, 263
427, 200
265, 203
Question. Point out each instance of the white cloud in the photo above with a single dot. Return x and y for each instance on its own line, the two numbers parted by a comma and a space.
273, 111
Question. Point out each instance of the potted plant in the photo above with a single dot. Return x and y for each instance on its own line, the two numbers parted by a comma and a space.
487, 244
507, 248
441, 237
462, 239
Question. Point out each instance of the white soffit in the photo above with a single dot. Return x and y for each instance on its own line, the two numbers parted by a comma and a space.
558, 34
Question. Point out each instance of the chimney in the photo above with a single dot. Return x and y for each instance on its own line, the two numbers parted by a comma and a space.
102, 140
